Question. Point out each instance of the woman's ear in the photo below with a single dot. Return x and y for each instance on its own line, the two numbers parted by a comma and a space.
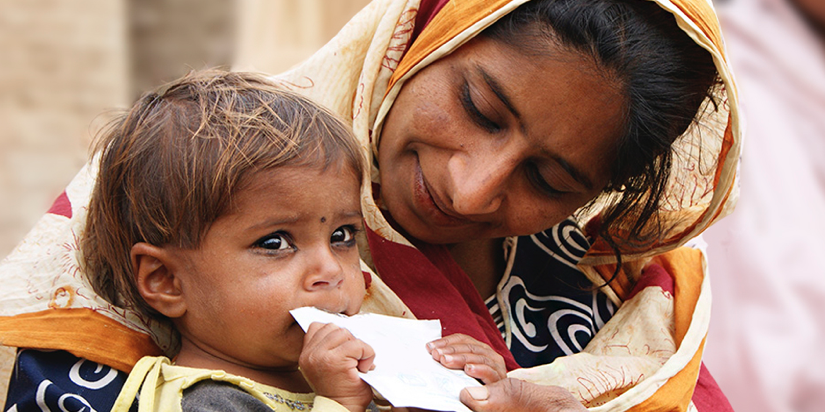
154, 269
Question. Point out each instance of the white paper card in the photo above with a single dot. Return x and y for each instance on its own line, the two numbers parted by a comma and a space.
405, 373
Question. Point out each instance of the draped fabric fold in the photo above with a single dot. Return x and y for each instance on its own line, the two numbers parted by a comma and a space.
647, 357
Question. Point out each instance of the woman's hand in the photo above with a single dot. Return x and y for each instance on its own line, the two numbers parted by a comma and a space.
330, 361
514, 395
477, 359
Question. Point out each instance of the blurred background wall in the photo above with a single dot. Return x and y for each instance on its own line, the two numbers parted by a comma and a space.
66, 64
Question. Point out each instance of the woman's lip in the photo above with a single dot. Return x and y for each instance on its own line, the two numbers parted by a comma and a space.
430, 205
439, 204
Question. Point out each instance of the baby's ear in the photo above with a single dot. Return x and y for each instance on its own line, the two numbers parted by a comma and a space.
154, 269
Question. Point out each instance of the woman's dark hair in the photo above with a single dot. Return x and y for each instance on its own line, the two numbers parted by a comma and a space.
665, 77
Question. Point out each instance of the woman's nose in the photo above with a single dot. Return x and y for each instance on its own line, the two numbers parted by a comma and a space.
479, 181
324, 271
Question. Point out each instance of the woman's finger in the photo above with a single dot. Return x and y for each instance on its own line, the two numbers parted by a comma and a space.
514, 395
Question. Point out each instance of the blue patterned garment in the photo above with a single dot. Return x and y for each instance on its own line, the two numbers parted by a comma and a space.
552, 310
60, 381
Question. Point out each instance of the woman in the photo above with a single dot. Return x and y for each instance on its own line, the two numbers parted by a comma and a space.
483, 139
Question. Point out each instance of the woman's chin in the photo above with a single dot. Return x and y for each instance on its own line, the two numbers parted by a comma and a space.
440, 235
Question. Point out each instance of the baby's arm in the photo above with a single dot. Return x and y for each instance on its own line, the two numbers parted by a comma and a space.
477, 359
330, 361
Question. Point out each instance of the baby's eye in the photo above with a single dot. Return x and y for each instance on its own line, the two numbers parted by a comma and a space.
275, 241
344, 234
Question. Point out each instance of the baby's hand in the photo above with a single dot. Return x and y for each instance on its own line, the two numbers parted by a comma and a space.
330, 361
478, 360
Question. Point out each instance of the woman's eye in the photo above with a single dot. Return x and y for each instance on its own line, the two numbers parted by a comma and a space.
472, 110
275, 241
343, 235
535, 177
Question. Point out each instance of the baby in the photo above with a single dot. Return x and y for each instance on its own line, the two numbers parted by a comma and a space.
222, 203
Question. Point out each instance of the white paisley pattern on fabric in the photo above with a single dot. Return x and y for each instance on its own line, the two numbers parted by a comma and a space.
545, 306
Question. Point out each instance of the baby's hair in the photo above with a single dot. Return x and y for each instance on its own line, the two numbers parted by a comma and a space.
170, 165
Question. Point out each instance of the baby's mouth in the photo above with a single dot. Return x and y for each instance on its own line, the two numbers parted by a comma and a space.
333, 311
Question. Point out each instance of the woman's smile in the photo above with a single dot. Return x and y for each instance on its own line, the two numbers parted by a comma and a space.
432, 204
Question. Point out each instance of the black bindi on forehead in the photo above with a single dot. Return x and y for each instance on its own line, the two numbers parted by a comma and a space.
323, 219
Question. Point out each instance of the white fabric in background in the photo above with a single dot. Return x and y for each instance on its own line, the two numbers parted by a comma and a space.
767, 332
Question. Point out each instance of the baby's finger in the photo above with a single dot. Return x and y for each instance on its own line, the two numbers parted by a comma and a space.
454, 339
314, 327
468, 349
326, 336
315, 331
345, 344
335, 335
366, 361
459, 360
459, 348
484, 373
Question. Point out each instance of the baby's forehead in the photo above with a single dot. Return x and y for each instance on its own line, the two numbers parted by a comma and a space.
338, 168
303, 179
291, 196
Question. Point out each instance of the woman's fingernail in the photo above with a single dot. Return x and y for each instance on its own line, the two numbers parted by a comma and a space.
478, 393
448, 358
430, 346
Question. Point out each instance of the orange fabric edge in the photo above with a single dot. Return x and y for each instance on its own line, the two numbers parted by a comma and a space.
621, 285
701, 13
727, 144
685, 267
451, 20
82, 332
672, 396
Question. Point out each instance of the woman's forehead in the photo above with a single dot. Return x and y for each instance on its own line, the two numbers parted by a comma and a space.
562, 93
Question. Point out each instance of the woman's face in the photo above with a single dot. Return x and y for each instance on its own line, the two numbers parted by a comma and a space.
490, 142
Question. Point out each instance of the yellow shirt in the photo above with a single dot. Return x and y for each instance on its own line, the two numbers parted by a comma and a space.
160, 385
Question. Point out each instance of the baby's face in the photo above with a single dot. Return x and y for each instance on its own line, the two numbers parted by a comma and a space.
287, 242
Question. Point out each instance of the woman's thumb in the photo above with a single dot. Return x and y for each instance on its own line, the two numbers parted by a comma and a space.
513, 395
494, 397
